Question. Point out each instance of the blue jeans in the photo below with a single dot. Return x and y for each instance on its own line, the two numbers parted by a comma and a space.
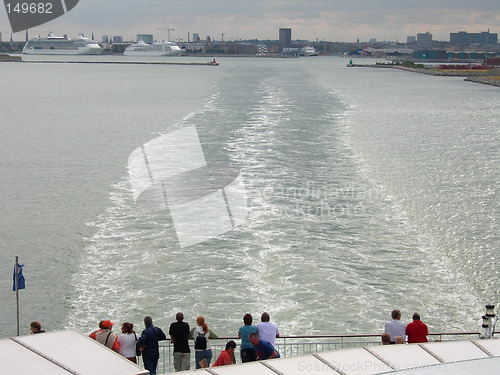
150, 365
200, 354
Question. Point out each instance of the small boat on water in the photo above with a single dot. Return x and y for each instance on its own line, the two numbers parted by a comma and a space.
159, 48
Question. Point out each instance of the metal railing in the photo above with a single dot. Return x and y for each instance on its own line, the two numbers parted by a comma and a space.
291, 346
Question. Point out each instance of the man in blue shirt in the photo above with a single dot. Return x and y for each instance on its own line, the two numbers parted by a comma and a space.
148, 342
264, 349
395, 327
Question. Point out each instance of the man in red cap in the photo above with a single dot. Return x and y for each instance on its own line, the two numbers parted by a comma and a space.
105, 336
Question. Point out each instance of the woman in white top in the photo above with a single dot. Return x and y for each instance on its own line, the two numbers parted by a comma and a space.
127, 341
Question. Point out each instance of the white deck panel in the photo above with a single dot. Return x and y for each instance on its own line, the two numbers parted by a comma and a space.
492, 346
80, 353
393, 359
307, 364
249, 368
69, 352
452, 351
16, 359
484, 366
355, 361
402, 357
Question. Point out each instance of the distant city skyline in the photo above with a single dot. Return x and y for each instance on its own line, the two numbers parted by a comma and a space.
329, 20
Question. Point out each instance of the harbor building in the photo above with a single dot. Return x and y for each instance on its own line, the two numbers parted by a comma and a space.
285, 36
146, 38
463, 38
424, 41
411, 39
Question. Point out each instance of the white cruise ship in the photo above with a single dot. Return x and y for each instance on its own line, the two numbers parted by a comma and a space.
308, 51
61, 45
159, 48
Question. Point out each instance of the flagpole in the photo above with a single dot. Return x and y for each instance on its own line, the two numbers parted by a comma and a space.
16, 285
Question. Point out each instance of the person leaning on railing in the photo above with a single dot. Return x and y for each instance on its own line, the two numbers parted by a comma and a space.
395, 327
226, 357
148, 343
105, 336
263, 348
267, 330
201, 335
128, 341
247, 351
417, 330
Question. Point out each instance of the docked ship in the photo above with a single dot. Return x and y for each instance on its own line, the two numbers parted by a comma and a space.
308, 51
159, 48
61, 45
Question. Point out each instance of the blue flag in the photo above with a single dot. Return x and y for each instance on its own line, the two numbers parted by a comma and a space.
21, 284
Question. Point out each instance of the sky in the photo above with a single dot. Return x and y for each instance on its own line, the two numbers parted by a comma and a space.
329, 20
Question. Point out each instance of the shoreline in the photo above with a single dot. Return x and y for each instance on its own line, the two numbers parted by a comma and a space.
119, 62
470, 76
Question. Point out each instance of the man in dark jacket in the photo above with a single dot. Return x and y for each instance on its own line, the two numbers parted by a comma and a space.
148, 342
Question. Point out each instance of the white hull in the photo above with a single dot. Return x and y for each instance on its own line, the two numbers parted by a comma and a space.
55, 45
151, 53
153, 50
79, 51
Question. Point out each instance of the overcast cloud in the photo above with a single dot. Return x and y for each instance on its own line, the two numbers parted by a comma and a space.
331, 20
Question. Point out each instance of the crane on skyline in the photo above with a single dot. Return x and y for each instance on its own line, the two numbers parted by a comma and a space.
169, 29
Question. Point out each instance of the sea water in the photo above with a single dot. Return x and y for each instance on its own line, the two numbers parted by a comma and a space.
367, 190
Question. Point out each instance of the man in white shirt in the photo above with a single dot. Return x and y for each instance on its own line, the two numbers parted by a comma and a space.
267, 330
395, 327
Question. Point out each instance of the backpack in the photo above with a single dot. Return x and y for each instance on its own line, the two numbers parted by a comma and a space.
200, 342
138, 351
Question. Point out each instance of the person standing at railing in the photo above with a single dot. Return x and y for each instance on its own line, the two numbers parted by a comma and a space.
201, 335
179, 332
417, 330
148, 342
395, 327
128, 340
267, 330
264, 349
105, 336
247, 351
